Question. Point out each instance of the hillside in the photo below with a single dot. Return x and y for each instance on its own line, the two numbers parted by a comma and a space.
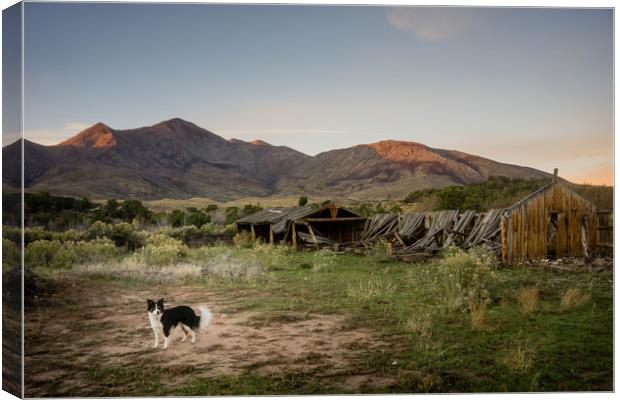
177, 159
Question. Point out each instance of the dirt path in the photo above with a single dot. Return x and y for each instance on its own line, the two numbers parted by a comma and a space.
87, 329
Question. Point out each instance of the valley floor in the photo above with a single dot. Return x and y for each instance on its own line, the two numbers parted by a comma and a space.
353, 326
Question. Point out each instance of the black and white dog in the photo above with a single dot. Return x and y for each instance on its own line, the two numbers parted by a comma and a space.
163, 321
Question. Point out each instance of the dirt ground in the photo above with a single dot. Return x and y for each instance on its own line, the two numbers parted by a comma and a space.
88, 327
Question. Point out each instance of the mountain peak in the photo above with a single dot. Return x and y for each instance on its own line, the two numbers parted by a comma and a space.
176, 124
400, 150
97, 136
259, 142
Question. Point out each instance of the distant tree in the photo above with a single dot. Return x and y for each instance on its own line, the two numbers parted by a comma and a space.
131, 209
451, 198
176, 218
326, 202
197, 218
211, 207
232, 214
303, 200
111, 209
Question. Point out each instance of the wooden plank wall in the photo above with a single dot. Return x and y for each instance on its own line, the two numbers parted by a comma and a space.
526, 226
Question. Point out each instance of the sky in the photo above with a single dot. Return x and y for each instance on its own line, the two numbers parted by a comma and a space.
529, 86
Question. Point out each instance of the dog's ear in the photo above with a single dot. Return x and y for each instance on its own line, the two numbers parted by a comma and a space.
160, 302
149, 302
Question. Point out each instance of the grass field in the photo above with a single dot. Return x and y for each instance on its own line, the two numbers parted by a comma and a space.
290, 322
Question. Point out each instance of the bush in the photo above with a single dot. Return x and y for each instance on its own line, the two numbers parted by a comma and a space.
198, 218
217, 229
98, 250
125, 235
48, 254
12, 233
99, 229
466, 277
184, 233
232, 215
303, 200
160, 250
11, 255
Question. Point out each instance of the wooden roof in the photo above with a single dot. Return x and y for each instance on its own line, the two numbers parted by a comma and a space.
280, 217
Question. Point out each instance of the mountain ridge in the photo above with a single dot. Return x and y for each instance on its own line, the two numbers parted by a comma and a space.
178, 159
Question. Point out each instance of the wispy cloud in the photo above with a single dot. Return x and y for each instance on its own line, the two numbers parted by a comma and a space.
431, 24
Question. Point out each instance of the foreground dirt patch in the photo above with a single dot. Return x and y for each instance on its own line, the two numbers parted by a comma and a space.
88, 329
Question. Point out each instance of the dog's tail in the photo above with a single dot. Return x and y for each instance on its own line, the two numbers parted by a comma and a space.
205, 317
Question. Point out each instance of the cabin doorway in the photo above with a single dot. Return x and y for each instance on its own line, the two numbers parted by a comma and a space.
553, 236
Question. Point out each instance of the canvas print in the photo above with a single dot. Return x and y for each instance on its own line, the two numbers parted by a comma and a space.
234, 199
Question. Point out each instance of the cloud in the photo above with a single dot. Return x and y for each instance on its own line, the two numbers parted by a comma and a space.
432, 24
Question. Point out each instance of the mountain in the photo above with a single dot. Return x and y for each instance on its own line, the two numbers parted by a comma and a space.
177, 159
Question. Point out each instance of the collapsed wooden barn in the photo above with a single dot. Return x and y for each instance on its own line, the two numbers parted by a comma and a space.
306, 225
271, 225
552, 222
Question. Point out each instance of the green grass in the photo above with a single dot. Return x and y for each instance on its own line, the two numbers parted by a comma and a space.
429, 346
563, 350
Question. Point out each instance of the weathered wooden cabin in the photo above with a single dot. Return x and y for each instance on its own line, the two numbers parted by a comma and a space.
552, 222
307, 224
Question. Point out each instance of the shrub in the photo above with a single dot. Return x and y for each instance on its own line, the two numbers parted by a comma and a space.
124, 234
303, 200
466, 276
35, 233
12, 233
232, 214
11, 255
160, 250
49, 254
98, 250
99, 229
163, 240
197, 218
573, 297
528, 299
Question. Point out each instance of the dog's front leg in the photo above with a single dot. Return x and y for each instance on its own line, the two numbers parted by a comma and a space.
156, 338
